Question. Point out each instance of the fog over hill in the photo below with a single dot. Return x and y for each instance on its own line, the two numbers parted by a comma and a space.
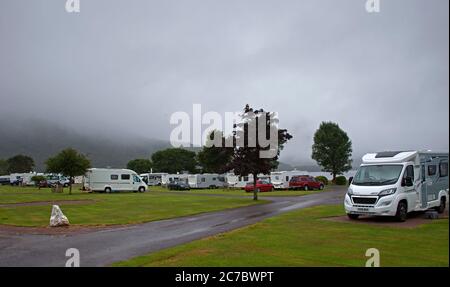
41, 140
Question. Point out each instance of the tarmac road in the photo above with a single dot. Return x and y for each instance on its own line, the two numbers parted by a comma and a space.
104, 247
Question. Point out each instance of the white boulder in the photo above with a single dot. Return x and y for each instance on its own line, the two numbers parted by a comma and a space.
58, 218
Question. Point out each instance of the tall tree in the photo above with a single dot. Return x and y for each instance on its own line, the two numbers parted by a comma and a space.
140, 165
173, 160
252, 153
3, 167
332, 149
20, 164
213, 158
69, 163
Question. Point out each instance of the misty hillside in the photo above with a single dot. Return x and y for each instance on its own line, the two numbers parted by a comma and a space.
41, 140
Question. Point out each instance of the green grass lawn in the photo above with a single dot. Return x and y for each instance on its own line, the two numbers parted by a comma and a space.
107, 209
304, 238
240, 192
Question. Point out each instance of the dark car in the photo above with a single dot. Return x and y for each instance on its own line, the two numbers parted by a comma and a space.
305, 183
4, 180
178, 185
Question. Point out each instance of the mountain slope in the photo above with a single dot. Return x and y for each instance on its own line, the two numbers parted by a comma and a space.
41, 140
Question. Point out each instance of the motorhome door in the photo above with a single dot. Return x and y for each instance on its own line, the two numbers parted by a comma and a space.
430, 174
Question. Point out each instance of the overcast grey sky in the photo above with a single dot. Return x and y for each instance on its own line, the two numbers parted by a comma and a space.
123, 65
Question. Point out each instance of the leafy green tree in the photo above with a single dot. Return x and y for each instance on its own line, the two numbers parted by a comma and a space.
248, 146
20, 164
213, 158
140, 165
173, 160
332, 149
69, 163
3, 167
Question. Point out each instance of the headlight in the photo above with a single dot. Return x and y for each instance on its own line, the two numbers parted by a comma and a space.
350, 191
387, 192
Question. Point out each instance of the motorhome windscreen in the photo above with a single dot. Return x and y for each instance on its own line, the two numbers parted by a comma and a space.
376, 175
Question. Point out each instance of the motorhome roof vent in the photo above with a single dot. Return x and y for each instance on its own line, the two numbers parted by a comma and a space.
387, 154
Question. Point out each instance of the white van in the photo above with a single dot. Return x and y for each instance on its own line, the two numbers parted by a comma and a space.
280, 179
395, 183
207, 180
112, 180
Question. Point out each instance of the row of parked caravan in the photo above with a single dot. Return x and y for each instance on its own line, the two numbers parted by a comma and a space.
111, 180
27, 179
279, 179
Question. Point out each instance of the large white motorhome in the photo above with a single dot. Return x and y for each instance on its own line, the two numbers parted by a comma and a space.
237, 181
280, 179
153, 179
113, 180
207, 180
169, 178
395, 183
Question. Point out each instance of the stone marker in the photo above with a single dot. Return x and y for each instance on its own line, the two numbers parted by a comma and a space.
58, 218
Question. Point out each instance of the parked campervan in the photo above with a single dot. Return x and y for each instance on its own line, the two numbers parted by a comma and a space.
153, 179
169, 178
207, 180
395, 183
113, 180
280, 179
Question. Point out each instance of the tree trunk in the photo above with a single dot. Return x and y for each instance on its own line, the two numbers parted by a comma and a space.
334, 177
255, 191
70, 185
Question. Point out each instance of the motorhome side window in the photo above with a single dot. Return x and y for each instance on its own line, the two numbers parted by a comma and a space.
203, 179
125, 176
443, 169
114, 177
409, 172
287, 178
431, 170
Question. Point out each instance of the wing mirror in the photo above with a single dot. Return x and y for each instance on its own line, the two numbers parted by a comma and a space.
407, 181
350, 179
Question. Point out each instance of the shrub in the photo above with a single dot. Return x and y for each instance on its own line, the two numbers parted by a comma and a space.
322, 179
341, 180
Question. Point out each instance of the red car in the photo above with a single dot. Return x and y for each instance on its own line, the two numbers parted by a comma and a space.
305, 183
261, 185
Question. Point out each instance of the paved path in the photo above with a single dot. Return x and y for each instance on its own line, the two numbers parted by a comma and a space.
103, 247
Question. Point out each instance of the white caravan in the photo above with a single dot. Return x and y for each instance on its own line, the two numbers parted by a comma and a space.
112, 180
395, 183
168, 178
280, 179
237, 181
21, 178
153, 179
207, 180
